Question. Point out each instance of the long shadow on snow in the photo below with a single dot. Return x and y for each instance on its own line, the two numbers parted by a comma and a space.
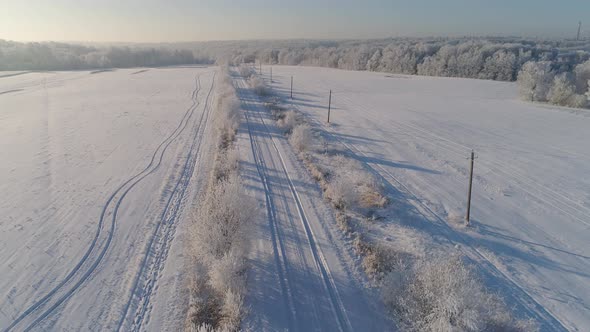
408, 215
433, 225
351, 295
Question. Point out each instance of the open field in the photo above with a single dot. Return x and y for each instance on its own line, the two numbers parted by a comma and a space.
100, 170
96, 170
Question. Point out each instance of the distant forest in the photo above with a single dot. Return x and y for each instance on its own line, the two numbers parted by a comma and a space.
551, 62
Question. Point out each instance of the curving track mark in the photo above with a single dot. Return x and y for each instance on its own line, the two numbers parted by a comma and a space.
11, 91
117, 197
159, 243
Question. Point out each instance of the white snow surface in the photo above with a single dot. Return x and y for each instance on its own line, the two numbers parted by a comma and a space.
75, 145
531, 192
301, 274
72, 143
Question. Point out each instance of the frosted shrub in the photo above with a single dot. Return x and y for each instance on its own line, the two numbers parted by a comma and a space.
340, 194
578, 101
446, 295
582, 73
534, 80
224, 217
220, 232
561, 90
227, 107
227, 118
245, 71
301, 138
227, 163
232, 310
353, 186
258, 86
226, 273
288, 121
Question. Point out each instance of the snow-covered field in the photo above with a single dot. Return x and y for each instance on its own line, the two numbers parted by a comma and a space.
95, 171
531, 200
98, 170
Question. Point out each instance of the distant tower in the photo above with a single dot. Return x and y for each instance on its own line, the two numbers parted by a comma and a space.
579, 30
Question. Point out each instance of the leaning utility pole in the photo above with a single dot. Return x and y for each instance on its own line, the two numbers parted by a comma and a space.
468, 215
329, 105
579, 30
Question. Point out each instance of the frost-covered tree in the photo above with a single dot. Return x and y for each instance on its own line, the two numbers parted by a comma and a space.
501, 66
534, 80
582, 72
562, 90
373, 63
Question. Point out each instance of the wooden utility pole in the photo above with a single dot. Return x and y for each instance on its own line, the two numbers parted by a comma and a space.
260, 71
579, 30
270, 74
468, 215
329, 105
291, 87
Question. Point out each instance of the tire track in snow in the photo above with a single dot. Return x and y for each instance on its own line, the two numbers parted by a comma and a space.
159, 243
111, 207
327, 280
278, 247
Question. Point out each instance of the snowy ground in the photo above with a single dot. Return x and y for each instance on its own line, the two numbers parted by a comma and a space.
531, 201
96, 170
301, 277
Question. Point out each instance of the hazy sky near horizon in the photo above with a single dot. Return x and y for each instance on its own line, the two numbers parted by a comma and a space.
185, 20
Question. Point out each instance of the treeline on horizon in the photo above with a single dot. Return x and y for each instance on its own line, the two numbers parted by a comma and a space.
483, 58
65, 56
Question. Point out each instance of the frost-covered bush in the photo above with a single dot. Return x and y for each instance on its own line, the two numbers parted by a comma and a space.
562, 90
258, 85
582, 73
578, 101
534, 80
246, 71
538, 82
288, 121
301, 138
227, 106
351, 186
224, 218
220, 233
445, 294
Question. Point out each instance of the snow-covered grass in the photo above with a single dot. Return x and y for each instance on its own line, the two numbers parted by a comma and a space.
257, 84
220, 233
445, 294
227, 106
246, 71
301, 138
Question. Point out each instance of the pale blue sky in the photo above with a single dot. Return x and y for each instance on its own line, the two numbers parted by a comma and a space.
184, 20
